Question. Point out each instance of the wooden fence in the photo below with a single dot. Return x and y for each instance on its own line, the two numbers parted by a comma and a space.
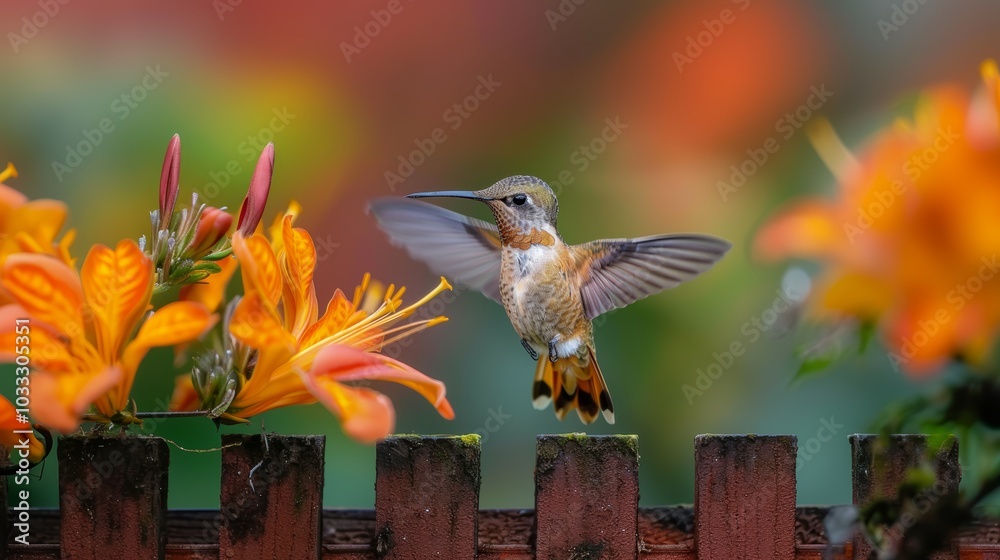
113, 503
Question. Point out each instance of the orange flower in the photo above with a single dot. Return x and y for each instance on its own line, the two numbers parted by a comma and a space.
90, 330
286, 353
30, 226
912, 242
16, 443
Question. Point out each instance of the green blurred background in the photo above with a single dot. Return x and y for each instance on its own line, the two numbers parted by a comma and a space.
354, 102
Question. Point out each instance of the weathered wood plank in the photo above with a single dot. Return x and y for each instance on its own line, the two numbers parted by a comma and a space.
427, 497
744, 497
275, 512
113, 497
878, 472
587, 497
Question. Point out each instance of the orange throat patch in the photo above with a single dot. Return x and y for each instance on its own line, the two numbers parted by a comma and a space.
524, 240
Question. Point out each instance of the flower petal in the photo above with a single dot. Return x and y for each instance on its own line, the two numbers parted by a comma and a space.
47, 351
59, 401
807, 229
39, 220
256, 323
211, 291
344, 363
9, 423
366, 415
274, 230
10, 197
298, 263
273, 384
47, 289
922, 342
174, 323
258, 266
118, 284
338, 312
854, 294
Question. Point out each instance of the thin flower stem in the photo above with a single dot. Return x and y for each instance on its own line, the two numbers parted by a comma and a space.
141, 415
174, 414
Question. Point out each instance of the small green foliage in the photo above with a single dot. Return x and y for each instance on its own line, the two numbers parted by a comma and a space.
866, 332
813, 365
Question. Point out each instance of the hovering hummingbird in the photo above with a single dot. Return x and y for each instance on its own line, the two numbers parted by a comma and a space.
551, 291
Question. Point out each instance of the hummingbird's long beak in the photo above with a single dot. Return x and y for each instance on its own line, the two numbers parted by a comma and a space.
450, 194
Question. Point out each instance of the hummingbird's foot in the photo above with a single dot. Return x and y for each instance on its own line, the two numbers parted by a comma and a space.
531, 351
553, 355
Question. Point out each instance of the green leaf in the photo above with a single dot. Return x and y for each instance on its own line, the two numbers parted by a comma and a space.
218, 255
866, 332
209, 267
812, 365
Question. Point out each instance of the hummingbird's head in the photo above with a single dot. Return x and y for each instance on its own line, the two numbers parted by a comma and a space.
521, 201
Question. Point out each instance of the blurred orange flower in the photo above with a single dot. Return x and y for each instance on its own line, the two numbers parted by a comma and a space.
9, 424
912, 242
90, 330
286, 353
30, 226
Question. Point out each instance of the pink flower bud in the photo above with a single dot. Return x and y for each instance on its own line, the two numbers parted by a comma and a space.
212, 227
169, 178
260, 184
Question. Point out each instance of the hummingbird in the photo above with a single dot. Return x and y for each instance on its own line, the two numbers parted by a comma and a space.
551, 291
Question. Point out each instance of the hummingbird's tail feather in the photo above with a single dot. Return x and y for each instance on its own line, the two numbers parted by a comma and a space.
574, 383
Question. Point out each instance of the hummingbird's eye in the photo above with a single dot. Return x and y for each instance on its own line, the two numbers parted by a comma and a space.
519, 199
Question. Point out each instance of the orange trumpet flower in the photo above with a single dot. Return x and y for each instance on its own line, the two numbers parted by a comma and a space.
912, 241
285, 353
91, 330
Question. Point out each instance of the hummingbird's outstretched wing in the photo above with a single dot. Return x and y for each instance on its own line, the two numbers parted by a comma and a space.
457, 247
617, 272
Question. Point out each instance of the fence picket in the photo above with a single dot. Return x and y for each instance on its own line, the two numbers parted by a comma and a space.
276, 512
877, 474
744, 497
427, 497
113, 497
587, 497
